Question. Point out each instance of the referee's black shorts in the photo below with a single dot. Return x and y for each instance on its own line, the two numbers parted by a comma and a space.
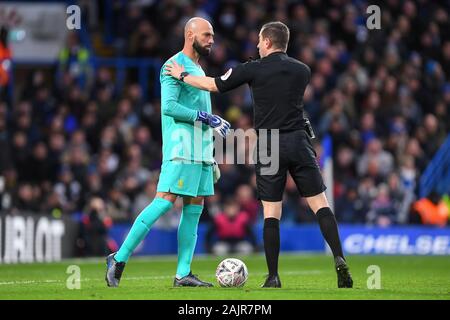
296, 155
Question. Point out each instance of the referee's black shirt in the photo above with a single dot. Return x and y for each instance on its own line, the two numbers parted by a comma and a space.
278, 83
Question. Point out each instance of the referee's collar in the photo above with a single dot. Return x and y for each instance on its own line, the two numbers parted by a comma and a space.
275, 54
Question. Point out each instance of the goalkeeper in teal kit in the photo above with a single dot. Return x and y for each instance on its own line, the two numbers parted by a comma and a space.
188, 168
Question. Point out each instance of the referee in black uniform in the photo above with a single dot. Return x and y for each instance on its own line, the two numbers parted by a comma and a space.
278, 83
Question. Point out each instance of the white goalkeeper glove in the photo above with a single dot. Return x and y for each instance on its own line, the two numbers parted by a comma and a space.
216, 172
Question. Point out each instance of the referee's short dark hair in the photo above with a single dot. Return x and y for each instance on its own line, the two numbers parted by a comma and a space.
278, 33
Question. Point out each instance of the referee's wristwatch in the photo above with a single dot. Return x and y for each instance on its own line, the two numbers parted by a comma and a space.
183, 75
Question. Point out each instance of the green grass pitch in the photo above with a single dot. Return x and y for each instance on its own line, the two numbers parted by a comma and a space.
303, 277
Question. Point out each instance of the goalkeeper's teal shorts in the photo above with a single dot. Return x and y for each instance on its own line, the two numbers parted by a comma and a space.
193, 179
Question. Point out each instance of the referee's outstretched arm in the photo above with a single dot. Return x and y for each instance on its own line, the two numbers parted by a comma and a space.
204, 83
233, 78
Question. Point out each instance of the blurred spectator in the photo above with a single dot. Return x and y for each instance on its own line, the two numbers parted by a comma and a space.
350, 208
5, 56
213, 205
432, 210
74, 58
434, 135
125, 119
382, 211
118, 205
27, 200
229, 179
68, 190
408, 172
401, 198
93, 185
345, 165
375, 161
290, 201
20, 154
52, 205
144, 198
150, 150
145, 41
247, 202
304, 213
133, 177
231, 231
39, 166
93, 233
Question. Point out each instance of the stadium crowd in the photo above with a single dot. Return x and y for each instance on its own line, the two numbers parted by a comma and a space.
383, 96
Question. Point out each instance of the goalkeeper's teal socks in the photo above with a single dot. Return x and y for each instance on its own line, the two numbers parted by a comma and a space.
141, 227
187, 232
187, 238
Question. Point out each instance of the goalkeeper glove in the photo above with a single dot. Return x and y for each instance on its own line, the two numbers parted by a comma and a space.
216, 172
217, 123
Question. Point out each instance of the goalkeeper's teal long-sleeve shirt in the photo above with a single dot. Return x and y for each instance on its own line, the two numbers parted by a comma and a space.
179, 105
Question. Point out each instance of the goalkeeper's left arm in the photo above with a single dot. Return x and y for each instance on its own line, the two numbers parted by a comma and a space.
170, 92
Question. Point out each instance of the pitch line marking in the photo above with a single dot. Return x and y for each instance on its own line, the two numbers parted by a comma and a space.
25, 282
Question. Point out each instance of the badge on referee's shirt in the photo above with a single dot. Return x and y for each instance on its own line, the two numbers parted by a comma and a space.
227, 74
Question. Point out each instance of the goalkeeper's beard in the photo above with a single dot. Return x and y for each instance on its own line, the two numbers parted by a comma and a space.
202, 51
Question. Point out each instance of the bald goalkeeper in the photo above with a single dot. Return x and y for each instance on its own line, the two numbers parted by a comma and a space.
188, 169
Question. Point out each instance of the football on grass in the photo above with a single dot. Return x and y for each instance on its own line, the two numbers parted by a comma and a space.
231, 272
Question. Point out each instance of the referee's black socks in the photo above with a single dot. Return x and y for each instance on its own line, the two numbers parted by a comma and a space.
329, 228
271, 236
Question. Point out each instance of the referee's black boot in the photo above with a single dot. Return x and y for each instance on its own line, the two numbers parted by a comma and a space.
272, 282
343, 274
